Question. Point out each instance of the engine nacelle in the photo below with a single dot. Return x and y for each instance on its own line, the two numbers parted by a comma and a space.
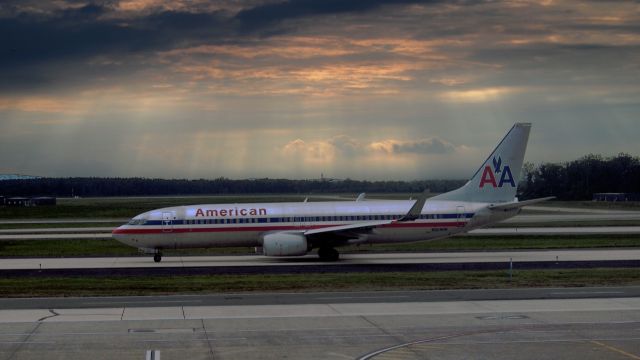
284, 244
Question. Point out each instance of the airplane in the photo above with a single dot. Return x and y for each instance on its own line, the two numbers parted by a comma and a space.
295, 228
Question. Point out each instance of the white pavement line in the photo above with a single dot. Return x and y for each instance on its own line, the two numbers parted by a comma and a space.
386, 258
325, 310
56, 236
152, 355
153, 313
140, 302
587, 292
362, 297
57, 230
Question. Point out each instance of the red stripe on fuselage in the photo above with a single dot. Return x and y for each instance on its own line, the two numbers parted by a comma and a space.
272, 228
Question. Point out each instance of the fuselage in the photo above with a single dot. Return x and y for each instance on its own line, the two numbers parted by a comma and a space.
229, 225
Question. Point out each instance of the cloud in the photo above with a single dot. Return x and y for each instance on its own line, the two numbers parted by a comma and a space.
477, 95
267, 14
259, 87
41, 105
310, 152
430, 146
346, 146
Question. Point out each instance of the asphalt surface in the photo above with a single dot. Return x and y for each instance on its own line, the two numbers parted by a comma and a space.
605, 328
537, 323
275, 298
515, 256
255, 265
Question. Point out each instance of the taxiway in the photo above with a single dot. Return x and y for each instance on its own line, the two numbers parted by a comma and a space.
515, 256
497, 329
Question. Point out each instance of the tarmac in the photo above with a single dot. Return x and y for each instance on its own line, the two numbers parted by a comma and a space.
566, 323
607, 328
515, 256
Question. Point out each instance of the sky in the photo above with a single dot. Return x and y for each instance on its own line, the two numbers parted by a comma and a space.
369, 90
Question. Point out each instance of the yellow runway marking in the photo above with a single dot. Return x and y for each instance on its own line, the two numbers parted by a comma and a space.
619, 351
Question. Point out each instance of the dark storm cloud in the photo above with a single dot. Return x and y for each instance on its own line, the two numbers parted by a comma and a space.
81, 32
267, 14
425, 146
97, 30
34, 44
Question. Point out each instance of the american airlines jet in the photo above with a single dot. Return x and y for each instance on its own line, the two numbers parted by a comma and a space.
294, 229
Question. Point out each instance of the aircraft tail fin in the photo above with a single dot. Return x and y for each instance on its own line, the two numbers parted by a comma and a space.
496, 181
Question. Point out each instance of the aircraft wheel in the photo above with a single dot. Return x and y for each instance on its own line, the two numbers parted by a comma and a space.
328, 254
157, 257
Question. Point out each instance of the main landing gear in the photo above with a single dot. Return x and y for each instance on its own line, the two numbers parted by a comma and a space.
157, 257
328, 254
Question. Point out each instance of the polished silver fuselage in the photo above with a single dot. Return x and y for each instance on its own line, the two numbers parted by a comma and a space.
229, 225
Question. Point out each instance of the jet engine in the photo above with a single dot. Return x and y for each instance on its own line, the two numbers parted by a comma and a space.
284, 244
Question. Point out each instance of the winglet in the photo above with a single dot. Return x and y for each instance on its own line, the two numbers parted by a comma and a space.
361, 197
416, 209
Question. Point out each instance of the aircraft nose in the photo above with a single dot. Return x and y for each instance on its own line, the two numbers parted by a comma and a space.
120, 234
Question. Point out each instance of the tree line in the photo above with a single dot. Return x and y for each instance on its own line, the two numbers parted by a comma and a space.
574, 180
96, 187
580, 179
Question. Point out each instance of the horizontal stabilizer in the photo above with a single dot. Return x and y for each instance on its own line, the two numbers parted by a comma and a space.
519, 204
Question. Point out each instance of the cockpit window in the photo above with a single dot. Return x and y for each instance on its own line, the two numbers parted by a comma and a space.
137, 222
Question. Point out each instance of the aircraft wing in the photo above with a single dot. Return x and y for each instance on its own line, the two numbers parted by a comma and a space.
351, 228
354, 230
518, 204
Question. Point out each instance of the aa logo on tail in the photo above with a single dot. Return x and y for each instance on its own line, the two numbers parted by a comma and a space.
489, 175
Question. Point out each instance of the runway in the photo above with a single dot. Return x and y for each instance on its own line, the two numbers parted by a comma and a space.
311, 260
301, 298
351, 263
607, 328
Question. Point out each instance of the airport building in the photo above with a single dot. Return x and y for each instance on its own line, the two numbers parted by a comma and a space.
17, 201
43, 201
23, 201
613, 197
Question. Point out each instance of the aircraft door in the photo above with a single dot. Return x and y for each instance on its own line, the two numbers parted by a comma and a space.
167, 222
461, 217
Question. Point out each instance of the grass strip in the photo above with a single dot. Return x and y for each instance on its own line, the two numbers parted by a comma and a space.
585, 223
123, 286
110, 247
519, 242
65, 248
